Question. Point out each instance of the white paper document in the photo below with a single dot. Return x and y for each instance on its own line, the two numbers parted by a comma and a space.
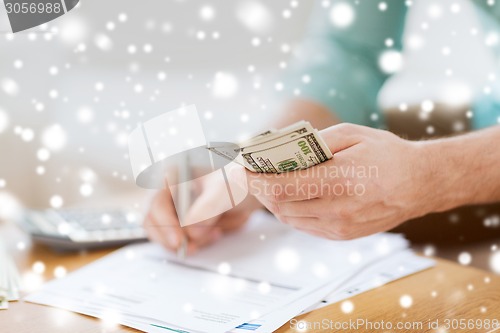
10, 281
255, 279
390, 268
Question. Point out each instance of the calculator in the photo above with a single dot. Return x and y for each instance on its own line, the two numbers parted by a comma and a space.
79, 229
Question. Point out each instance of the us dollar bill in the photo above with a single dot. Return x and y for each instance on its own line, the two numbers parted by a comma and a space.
295, 147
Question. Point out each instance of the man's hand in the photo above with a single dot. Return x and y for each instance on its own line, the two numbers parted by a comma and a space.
374, 182
162, 223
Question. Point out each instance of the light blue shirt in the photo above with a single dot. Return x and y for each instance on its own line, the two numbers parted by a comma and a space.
342, 63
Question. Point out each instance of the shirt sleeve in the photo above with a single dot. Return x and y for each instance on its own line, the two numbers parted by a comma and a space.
486, 108
490, 7
337, 64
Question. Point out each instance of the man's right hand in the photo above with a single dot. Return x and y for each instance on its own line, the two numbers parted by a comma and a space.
162, 224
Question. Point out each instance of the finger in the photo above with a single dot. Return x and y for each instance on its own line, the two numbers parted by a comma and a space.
310, 225
234, 220
236, 176
201, 212
316, 228
319, 233
299, 222
212, 235
343, 136
209, 204
372, 227
304, 208
157, 234
163, 216
291, 186
151, 231
197, 232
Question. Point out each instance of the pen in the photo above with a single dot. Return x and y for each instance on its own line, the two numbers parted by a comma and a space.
184, 201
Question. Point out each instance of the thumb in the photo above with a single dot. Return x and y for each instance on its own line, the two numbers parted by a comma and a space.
204, 208
200, 218
343, 136
212, 202
237, 178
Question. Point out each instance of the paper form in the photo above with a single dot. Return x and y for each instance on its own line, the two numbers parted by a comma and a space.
128, 283
271, 273
267, 250
387, 269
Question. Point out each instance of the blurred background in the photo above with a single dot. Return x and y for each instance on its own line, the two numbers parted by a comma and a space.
73, 89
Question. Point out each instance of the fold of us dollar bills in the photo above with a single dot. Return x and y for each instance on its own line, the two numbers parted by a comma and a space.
298, 146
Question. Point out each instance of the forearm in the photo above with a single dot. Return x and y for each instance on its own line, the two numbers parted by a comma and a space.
300, 109
465, 169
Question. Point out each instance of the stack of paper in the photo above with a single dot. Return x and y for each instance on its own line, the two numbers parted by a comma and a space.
9, 279
256, 279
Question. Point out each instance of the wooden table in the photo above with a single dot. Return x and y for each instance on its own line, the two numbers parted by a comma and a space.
446, 292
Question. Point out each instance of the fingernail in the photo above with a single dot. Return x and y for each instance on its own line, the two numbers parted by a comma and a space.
173, 239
